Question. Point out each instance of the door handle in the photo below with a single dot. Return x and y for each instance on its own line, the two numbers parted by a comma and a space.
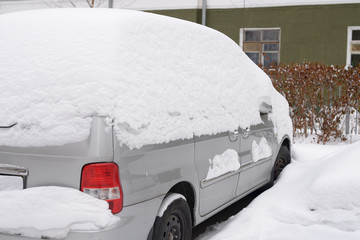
246, 133
233, 136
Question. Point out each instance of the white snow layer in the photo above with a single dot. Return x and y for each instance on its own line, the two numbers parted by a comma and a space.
317, 197
228, 161
167, 201
155, 78
52, 212
10, 183
261, 150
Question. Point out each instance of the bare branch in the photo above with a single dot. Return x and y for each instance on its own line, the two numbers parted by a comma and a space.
73, 3
126, 3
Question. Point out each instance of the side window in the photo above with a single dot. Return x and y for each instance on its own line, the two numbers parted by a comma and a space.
261, 45
353, 49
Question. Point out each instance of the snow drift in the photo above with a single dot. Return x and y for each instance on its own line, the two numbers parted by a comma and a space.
317, 197
154, 78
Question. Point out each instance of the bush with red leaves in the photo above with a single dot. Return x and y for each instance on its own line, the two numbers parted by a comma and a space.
319, 97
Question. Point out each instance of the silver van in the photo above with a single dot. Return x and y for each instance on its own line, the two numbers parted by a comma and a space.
163, 189
159, 191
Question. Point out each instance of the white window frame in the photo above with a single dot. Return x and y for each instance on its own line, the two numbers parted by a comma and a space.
349, 42
241, 39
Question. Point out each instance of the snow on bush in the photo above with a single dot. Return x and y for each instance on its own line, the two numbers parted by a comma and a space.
228, 161
317, 197
155, 78
52, 212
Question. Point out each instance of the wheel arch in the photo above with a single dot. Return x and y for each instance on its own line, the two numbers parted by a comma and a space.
286, 142
187, 190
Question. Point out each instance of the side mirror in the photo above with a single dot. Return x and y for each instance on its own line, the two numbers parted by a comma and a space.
265, 108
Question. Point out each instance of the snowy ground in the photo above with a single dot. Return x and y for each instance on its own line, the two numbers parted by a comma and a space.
317, 197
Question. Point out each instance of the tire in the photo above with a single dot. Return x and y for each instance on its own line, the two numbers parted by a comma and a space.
175, 223
282, 160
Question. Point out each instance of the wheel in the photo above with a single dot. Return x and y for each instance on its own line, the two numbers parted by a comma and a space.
281, 161
175, 223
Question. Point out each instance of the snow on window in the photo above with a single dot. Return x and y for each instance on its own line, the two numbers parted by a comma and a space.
228, 161
261, 150
52, 212
156, 79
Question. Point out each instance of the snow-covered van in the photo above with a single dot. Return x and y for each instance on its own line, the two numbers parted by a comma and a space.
163, 121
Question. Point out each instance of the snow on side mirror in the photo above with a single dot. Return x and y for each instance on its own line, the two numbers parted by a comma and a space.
265, 108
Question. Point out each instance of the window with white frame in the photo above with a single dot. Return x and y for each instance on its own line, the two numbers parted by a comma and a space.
353, 49
261, 45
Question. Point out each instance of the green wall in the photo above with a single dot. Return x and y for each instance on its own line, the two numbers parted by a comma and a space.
312, 33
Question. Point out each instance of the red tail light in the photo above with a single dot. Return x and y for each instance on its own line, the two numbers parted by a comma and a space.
101, 180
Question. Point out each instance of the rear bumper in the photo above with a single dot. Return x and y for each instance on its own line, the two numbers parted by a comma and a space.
135, 224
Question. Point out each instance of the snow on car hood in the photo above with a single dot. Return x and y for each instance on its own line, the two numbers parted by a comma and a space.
155, 78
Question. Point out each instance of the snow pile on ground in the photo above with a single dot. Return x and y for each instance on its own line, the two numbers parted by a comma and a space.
155, 78
52, 212
261, 150
317, 197
228, 161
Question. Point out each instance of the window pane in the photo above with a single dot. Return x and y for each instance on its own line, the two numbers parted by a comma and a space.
252, 47
355, 59
270, 59
355, 47
271, 35
255, 57
252, 36
271, 47
356, 35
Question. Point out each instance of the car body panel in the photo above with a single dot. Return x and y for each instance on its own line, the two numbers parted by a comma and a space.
152, 170
255, 173
61, 165
149, 173
206, 148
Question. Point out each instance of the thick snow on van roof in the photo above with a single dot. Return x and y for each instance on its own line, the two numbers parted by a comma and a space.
154, 78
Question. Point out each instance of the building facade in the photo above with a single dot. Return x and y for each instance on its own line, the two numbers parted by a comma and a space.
326, 33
